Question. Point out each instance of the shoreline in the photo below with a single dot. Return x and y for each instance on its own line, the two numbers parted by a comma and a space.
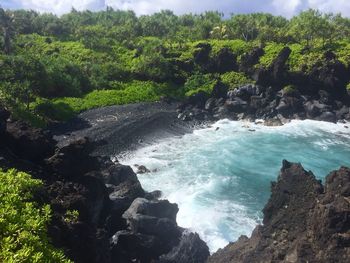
147, 123
117, 129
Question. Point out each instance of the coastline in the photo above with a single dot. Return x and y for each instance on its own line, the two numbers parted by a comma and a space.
148, 123
117, 129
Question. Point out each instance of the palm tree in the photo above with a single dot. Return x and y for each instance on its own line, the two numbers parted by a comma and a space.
6, 26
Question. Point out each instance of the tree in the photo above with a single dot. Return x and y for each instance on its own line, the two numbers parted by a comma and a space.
7, 29
310, 25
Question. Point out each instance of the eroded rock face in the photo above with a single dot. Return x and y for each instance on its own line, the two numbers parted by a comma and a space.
303, 221
101, 191
29, 143
153, 234
4, 114
226, 61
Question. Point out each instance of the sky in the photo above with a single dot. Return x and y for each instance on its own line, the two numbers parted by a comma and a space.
287, 8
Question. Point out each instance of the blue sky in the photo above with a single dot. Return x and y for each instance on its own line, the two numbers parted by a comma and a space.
280, 7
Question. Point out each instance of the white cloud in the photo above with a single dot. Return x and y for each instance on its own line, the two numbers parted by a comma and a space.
334, 6
287, 8
280, 7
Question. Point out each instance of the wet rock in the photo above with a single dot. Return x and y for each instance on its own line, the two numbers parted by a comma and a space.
219, 91
328, 116
289, 106
246, 92
340, 114
237, 105
314, 108
154, 195
210, 104
141, 169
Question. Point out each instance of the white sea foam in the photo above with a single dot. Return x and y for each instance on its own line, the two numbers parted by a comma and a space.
220, 176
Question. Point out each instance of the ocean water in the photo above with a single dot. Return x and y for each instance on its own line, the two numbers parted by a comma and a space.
220, 176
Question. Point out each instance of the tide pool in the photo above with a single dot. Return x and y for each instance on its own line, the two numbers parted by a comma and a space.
220, 176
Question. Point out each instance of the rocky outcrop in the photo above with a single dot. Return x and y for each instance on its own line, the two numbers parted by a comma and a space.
249, 60
117, 220
304, 221
330, 75
4, 115
225, 61
279, 94
276, 74
29, 143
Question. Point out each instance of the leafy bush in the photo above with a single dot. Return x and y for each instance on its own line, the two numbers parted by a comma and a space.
271, 52
234, 79
23, 233
199, 82
302, 58
130, 92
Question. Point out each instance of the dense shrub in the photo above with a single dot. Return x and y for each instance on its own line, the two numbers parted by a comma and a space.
23, 233
271, 52
129, 92
234, 79
200, 82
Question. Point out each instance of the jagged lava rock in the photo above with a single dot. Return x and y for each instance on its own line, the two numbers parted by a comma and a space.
303, 221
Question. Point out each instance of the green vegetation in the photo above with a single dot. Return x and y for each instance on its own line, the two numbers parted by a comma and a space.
54, 67
23, 234
235, 79
199, 82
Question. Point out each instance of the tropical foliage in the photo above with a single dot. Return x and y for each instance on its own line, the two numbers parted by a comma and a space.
53, 67
23, 222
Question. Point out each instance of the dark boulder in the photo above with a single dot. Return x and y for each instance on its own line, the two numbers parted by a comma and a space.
127, 246
289, 105
29, 143
314, 108
219, 91
332, 76
72, 159
246, 91
225, 61
201, 55
249, 60
210, 104
4, 115
141, 169
190, 249
198, 100
158, 209
341, 113
328, 116
277, 73
236, 105
123, 187
118, 173
152, 230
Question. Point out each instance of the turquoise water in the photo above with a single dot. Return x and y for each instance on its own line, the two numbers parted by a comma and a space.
221, 178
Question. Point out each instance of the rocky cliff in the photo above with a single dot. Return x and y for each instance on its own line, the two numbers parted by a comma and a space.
304, 221
118, 221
